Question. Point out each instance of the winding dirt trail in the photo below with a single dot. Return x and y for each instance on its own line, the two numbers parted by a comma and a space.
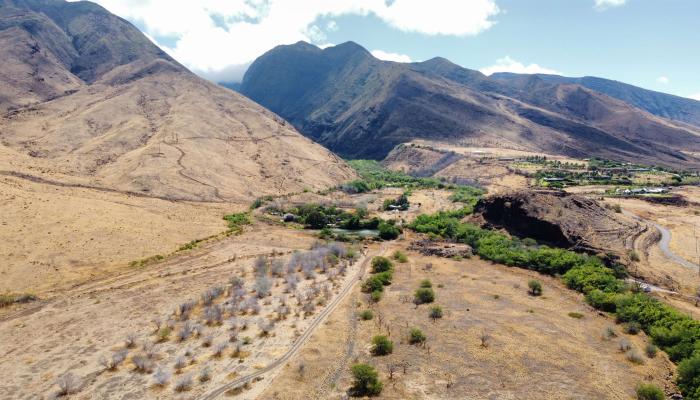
304, 337
664, 243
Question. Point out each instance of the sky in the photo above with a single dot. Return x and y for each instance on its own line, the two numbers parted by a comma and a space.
653, 44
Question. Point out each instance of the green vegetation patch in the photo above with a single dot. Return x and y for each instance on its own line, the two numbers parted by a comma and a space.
236, 221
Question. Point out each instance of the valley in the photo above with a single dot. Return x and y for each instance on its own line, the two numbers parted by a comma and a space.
335, 225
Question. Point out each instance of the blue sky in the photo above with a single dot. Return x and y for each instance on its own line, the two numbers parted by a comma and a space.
654, 44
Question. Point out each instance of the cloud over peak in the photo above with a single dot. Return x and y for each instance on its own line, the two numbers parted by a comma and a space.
210, 36
507, 64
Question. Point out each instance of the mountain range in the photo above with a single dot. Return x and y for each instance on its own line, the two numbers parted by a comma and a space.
362, 107
85, 97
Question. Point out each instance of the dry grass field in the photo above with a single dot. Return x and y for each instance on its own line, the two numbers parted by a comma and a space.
553, 346
74, 330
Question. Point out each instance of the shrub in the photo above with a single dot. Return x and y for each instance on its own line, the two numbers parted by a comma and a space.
651, 350
164, 334
142, 363
67, 384
373, 284
634, 256
366, 381
161, 377
416, 336
436, 312
180, 363
388, 231
376, 296
366, 315
649, 391
183, 384
633, 328
535, 288
575, 315
635, 357
385, 277
425, 283
381, 345
689, 376
424, 295
381, 264
400, 257
205, 374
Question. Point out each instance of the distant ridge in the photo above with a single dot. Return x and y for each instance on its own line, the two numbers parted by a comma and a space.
362, 107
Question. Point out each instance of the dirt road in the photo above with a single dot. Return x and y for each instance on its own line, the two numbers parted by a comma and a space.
664, 242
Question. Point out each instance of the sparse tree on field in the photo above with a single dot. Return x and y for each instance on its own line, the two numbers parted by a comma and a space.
263, 285
183, 384
260, 266
142, 363
485, 339
277, 267
205, 374
219, 349
67, 384
161, 377
130, 341
180, 364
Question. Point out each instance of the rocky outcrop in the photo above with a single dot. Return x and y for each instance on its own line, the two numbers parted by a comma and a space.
560, 219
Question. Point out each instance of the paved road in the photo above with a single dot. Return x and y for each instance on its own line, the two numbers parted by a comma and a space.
664, 242
302, 339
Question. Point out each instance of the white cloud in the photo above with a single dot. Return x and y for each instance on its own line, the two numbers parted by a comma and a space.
507, 64
212, 35
602, 5
662, 79
695, 96
383, 55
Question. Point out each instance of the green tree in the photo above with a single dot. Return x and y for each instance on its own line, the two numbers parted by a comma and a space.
535, 287
649, 391
424, 295
417, 336
382, 346
381, 264
366, 381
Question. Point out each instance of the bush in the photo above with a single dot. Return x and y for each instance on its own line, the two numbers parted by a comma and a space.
649, 391
373, 284
635, 357
535, 288
400, 257
385, 277
376, 296
425, 283
161, 377
381, 264
366, 381
689, 377
633, 328
183, 384
67, 384
416, 336
424, 295
164, 334
651, 350
366, 315
436, 312
388, 231
381, 345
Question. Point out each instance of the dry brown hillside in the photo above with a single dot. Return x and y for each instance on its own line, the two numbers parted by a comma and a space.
88, 96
